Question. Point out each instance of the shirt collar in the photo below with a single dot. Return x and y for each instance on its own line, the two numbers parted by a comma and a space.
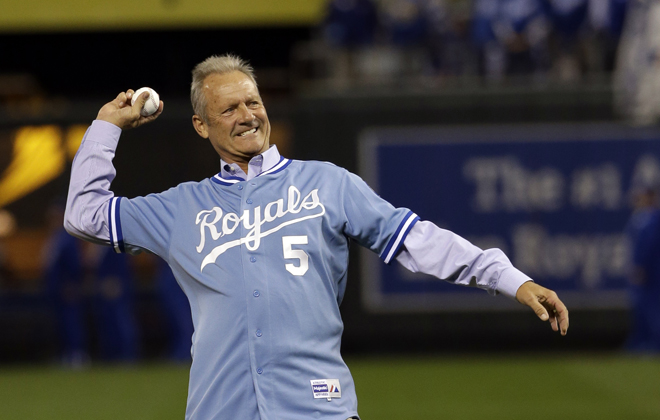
256, 165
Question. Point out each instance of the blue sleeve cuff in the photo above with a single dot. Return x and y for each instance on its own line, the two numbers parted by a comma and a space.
399, 236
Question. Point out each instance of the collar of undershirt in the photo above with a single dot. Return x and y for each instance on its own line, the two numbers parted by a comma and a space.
272, 163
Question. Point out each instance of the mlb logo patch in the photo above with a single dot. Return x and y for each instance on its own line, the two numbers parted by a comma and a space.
326, 388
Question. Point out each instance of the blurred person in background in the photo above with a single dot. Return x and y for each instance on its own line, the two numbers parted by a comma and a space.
643, 232
569, 21
512, 37
585, 36
450, 48
116, 326
405, 29
637, 73
349, 29
606, 18
177, 313
64, 276
350, 23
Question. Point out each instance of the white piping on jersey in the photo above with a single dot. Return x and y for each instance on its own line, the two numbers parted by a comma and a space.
113, 224
228, 181
283, 162
399, 237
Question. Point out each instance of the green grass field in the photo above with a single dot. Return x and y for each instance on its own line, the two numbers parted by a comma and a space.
534, 387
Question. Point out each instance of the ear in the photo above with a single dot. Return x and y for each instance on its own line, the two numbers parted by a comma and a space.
200, 126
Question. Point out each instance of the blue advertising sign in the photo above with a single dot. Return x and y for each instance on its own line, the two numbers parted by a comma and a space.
554, 198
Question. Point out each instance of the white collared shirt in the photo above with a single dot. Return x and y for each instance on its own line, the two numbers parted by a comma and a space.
256, 166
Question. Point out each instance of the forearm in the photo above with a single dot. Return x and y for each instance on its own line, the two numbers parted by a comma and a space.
445, 255
89, 189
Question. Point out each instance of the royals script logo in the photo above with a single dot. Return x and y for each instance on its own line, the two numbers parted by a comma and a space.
219, 224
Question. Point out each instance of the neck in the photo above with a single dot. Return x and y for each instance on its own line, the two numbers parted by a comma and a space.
243, 166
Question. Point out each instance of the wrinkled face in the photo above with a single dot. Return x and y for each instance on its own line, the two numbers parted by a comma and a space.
237, 124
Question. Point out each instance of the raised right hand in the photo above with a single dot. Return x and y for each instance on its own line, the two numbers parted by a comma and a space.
120, 112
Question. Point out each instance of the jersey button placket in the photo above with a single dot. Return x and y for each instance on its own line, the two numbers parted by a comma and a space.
256, 286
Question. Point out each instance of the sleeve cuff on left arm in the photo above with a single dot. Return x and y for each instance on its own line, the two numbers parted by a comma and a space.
510, 280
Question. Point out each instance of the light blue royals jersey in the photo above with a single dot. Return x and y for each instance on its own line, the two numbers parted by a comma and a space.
263, 263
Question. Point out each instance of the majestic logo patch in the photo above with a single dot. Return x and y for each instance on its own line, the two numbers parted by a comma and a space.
320, 388
220, 224
326, 388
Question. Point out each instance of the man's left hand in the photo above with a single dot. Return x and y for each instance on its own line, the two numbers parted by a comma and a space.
545, 303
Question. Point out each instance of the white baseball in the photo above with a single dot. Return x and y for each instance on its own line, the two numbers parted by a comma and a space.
152, 103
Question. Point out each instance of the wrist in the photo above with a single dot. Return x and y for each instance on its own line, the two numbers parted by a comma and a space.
109, 119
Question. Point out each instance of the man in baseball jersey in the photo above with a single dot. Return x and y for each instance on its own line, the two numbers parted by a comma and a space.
261, 251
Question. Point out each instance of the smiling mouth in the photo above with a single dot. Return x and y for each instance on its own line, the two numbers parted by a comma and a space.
245, 133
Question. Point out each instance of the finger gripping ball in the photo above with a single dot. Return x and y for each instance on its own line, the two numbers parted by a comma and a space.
152, 103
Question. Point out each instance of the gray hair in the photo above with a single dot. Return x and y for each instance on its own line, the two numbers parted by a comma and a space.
214, 65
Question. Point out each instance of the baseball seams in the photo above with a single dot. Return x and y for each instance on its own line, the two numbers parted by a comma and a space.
152, 103
152, 100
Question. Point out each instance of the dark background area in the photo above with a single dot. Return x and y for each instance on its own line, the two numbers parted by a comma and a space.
101, 64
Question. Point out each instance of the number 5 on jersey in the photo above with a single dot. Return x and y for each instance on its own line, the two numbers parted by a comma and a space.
297, 254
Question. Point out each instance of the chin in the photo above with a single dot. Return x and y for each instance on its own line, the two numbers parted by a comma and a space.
252, 146
260, 145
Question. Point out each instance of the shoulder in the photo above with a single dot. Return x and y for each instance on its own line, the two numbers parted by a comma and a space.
318, 166
192, 185
183, 190
327, 172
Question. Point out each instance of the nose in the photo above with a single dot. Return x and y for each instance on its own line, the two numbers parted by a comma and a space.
245, 114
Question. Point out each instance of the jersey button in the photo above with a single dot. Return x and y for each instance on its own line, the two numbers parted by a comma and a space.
260, 371
253, 259
249, 201
259, 333
240, 187
256, 293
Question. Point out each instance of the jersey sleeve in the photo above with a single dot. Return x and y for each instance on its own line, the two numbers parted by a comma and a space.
372, 221
143, 222
95, 214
